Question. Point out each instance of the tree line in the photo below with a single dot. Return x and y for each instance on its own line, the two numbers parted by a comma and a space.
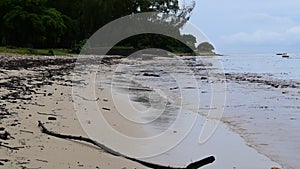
66, 23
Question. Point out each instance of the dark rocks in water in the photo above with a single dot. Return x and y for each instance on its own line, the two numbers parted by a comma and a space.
255, 78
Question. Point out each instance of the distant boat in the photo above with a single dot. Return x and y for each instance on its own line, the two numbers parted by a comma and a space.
279, 53
285, 55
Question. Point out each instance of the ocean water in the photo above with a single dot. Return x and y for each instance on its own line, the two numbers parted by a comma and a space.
267, 117
272, 64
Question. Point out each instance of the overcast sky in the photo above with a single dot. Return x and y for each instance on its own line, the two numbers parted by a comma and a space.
244, 26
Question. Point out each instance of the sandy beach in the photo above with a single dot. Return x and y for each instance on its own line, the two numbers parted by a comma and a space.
50, 101
39, 88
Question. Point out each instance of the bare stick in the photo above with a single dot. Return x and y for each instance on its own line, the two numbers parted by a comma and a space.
194, 165
47, 114
26, 131
11, 148
88, 99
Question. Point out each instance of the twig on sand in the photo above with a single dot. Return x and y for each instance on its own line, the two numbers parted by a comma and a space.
44, 161
47, 114
26, 131
11, 148
194, 165
104, 108
88, 99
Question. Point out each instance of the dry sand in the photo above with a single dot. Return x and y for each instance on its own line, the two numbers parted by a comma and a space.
40, 150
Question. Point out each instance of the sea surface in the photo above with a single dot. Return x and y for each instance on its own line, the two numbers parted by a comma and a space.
272, 64
262, 103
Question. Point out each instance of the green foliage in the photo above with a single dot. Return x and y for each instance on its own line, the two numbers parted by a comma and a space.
64, 23
30, 51
205, 47
30, 23
144, 41
78, 47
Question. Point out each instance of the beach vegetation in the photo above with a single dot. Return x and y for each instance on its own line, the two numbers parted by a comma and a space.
66, 24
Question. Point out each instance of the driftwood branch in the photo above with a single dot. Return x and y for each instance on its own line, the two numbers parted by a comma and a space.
194, 165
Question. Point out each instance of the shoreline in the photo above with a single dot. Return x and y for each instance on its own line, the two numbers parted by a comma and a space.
55, 99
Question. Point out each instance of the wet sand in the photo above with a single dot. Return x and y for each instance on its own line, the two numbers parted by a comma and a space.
43, 91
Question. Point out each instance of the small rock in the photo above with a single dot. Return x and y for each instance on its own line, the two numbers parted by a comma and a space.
4, 135
51, 118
